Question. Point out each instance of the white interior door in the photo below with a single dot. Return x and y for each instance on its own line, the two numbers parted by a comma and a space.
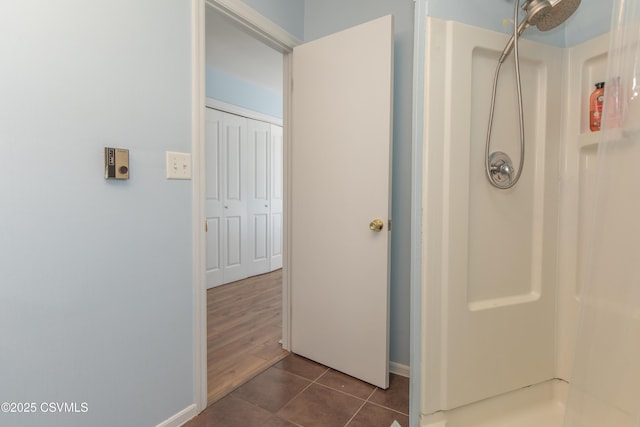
340, 182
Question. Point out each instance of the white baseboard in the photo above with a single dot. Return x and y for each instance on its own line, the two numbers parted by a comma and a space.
181, 417
399, 369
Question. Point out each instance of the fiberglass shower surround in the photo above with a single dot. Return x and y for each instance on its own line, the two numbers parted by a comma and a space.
532, 296
545, 16
501, 283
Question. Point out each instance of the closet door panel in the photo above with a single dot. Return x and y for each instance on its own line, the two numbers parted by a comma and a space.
213, 202
259, 195
235, 230
276, 218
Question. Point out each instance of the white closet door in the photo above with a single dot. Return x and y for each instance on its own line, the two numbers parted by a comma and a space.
259, 154
234, 224
244, 173
276, 197
213, 203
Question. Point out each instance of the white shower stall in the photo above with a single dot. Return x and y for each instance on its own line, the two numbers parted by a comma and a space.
501, 269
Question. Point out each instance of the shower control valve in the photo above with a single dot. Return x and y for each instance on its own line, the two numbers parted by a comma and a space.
500, 169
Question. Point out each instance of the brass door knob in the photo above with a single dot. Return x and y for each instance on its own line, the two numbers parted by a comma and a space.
376, 225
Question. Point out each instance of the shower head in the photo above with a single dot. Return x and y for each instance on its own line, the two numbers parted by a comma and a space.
560, 11
537, 11
543, 14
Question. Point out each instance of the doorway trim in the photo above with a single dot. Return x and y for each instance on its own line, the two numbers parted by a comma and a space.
276, 37
258, 26
418, 198
198, 64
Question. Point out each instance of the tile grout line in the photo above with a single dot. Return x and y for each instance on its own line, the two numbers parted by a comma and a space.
361, 406
311, 382
275, 414
381, 405
299, 376
340, 391
355, 413
315, 381
371, 394
386, 407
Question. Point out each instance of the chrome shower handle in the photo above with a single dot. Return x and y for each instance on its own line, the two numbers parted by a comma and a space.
501, 170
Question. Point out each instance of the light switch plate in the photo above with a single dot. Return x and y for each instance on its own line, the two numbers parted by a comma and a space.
178, 165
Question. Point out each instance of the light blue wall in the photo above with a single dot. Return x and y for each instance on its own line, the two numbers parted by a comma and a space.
590, 20
96, 283
323, 17
490, 14
230, 89
289, 14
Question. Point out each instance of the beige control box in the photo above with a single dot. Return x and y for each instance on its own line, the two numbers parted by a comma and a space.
116, 163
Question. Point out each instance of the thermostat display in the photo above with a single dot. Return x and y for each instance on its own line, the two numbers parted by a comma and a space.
116, 163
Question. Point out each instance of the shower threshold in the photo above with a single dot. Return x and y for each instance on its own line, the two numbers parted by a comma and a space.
539, 405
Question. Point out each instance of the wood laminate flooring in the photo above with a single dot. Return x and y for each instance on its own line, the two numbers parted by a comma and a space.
244, 327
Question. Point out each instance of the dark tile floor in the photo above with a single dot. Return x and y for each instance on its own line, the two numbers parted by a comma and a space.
299, 392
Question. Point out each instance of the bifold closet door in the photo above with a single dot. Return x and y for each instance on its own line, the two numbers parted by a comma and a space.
258, 205
226, 198
235, 233
243, 197
277, 174
213, 202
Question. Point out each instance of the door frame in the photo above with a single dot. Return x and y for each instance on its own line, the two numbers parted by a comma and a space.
281, 40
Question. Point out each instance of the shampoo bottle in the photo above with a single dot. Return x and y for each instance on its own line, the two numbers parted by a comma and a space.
595, 107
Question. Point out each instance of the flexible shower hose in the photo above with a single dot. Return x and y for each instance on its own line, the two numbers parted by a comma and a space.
520, 110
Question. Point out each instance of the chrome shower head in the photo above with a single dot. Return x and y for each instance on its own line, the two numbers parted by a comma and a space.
560, 11
537, 11
543, 14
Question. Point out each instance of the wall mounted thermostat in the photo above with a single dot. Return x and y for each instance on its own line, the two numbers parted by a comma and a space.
116, 163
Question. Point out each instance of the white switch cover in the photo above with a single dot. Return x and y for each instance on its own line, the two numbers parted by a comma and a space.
178, 165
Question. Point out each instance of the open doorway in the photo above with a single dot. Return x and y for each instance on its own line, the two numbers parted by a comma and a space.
243, 205
375, 54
